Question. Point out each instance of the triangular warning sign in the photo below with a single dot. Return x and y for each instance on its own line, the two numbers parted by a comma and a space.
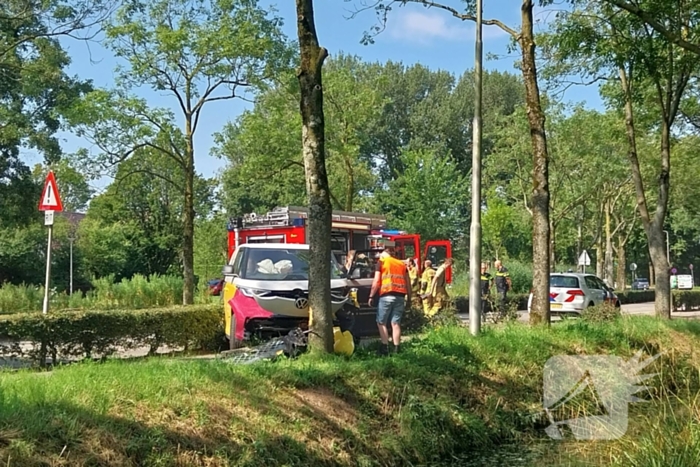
50, 198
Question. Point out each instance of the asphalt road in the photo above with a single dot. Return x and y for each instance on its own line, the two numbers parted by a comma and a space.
631, 309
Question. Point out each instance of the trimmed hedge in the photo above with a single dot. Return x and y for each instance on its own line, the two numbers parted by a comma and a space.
87, 333
686, 300
519, 300
635, 296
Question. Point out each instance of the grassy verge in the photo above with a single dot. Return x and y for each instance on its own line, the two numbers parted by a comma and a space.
446, 395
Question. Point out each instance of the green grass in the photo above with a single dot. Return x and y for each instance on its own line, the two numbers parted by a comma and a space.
135, 293
446, 395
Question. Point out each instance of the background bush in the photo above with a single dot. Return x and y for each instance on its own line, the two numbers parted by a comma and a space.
520, 275
91, 333
686, 300
635, 296
135, 293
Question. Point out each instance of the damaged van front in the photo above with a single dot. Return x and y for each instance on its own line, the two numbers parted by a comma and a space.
266, 291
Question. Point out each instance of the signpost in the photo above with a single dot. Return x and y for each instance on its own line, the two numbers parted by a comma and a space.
50, 202
633, 268
584, 260
692, 274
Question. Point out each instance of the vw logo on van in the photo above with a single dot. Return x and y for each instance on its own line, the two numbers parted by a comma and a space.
301, 303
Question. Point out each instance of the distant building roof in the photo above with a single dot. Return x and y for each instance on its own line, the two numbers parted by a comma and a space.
74, 218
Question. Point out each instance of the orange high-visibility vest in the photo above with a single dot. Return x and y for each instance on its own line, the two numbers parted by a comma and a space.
393, 276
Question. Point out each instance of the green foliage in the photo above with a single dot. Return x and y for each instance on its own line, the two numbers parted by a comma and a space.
386, 119
72, 184
210, 248
520, 276
352, 105
635, 296
428, 195
686, 300
90, 333
505, 229
136, 293
601, 313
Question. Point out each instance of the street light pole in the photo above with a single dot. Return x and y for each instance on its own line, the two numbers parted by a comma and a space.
668, 249
475, 230
70, 240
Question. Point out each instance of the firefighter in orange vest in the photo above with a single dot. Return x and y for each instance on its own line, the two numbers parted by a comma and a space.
393, 285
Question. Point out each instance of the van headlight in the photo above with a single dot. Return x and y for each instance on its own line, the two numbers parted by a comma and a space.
252, 293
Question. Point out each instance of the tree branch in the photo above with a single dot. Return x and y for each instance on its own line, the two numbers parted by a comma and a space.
153, 174
651, 20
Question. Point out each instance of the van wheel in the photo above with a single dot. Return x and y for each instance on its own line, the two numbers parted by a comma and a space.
591, 305
233, 343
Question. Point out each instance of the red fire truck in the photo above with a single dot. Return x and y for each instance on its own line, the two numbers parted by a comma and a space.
350, 231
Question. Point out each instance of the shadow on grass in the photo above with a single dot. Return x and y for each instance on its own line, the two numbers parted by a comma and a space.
67, 434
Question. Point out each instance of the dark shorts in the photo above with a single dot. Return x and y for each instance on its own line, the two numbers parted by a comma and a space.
390, 306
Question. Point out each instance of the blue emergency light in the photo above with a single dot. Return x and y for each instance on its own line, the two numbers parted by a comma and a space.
298, 222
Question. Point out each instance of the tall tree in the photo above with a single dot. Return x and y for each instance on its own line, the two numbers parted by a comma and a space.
536, 121
35, 90
353, 104
313, 143
198, 51
151, 209
646, 68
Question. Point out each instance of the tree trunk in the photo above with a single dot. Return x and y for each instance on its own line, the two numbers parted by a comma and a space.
540, 172
652, 276
657, 238
188, 221
609, 266
313, 148
652, 227
599, 257
621, 265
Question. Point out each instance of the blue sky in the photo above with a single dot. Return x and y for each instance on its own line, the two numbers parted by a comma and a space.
414, 34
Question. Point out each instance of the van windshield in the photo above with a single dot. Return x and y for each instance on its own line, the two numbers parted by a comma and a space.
279, 264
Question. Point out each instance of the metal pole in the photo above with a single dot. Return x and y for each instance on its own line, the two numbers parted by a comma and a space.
70, 239
668, 255
48, 273
475, 230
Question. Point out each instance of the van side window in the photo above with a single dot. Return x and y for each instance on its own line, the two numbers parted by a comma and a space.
236, 263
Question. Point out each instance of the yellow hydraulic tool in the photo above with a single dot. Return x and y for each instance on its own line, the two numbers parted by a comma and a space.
343, 342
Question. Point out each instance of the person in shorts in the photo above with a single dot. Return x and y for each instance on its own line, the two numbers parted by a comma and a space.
392, 285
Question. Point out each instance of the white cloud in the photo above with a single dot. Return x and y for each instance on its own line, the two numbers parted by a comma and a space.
424, 27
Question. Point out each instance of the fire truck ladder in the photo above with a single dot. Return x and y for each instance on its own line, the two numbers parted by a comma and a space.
284, 216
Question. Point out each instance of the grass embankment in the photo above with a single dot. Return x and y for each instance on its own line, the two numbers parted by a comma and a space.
136, 293
446, 395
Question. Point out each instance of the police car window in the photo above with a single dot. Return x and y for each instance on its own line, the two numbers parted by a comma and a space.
591, 283
563, 281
